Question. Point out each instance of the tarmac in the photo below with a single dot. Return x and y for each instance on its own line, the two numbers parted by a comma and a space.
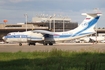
78, 47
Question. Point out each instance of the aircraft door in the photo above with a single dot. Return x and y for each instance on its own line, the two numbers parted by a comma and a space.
23, 38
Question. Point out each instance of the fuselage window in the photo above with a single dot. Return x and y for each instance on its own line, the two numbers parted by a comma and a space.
23, 36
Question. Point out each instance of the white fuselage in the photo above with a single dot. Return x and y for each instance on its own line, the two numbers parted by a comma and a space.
30, 36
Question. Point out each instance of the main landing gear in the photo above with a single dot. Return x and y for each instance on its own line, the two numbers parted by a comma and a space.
20, 44
46, 43
31, 44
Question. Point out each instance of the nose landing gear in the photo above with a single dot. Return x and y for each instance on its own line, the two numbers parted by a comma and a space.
46, 43
20, 44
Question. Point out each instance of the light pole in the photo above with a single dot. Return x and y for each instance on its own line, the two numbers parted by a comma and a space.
54, 22
63, 25
96, 11
26, 16
50, 22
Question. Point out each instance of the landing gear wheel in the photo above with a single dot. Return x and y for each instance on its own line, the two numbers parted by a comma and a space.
31, 44
44, 43
34, 44
20, 44
50, 43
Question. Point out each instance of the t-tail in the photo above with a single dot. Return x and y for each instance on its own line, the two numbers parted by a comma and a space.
87, 26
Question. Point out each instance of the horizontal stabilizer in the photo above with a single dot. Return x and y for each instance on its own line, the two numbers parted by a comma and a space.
92, 14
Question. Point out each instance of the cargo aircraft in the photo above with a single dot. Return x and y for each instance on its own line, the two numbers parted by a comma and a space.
49, 38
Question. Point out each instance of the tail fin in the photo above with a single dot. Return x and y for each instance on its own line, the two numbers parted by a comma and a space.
90, 19
88, 24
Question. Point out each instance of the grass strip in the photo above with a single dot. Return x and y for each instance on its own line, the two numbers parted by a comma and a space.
53, 60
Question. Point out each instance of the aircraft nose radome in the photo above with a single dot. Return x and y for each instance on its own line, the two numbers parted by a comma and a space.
3, 37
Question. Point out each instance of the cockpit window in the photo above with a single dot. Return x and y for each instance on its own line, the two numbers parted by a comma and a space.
8, 34
12, 33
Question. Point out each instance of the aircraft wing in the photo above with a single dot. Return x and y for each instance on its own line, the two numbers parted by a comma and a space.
44, 32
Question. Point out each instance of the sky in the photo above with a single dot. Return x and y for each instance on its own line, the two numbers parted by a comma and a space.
14, 10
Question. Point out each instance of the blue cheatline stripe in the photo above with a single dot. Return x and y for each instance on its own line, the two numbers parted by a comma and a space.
70, 35
35, 37
13, 36
84, 33
90, 24
62, 36
59, 36
16, 36
22, 36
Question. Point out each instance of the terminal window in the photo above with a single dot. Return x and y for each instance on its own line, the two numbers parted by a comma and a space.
13, 26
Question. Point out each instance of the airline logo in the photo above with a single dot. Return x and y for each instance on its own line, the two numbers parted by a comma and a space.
84, 24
